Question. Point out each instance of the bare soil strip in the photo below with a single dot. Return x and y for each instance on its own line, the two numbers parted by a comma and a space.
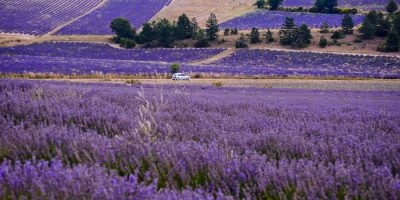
211, 59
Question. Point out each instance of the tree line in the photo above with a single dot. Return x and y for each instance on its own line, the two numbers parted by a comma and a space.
164, 33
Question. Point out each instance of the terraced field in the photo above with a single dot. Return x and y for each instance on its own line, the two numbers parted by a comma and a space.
360, 4
98, 21
39, 17
275, 19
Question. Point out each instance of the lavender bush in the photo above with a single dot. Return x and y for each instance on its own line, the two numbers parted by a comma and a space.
39, 17
196, 142
275, 19
104, 51
98, 22
39, 179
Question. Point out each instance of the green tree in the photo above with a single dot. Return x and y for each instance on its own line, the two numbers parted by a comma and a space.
260, 3
274, 4
255, 36
391, 7
319, 5
165, 32
393, 41
327, 6
212, 27
383, 26
337, 35
396, 22
325, 28
303, 37
175, 68
195, 26
331, 5
323, 42
367, 29
122, 28
184, 28
241, 42
127, 43
147, 34
269, 37
288, 32
372, 17
202, 40
347, 24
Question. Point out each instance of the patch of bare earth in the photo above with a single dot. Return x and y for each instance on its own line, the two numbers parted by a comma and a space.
355, 85
201, 9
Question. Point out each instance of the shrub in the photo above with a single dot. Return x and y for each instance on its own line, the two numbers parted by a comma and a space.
323, 42
175, 68
241, 42
255, 36
337, 35
226, 31
357, 40
133, 82
218, 84
127, 43
269, 37
260, 3
324, 28
347, 24
234, 31
202, 39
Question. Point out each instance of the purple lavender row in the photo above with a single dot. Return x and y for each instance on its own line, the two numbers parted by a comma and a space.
360, 4
40, 17
275, 64
39, 179
244, 142
98, 22
104, 51
313, 63
275, 19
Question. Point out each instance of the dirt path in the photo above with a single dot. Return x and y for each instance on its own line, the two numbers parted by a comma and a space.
308, 84
219, 56
55, 30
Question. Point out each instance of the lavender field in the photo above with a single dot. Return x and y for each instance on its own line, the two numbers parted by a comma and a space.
85, 58
360, 4
90, 141
39, 17
98, 22
308, 63
104, 51
275, 19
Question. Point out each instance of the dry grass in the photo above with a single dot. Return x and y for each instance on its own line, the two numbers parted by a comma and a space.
331, 83
223, 9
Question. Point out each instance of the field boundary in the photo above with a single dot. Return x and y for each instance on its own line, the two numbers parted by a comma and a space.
55, 30
211, 59
307, 84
